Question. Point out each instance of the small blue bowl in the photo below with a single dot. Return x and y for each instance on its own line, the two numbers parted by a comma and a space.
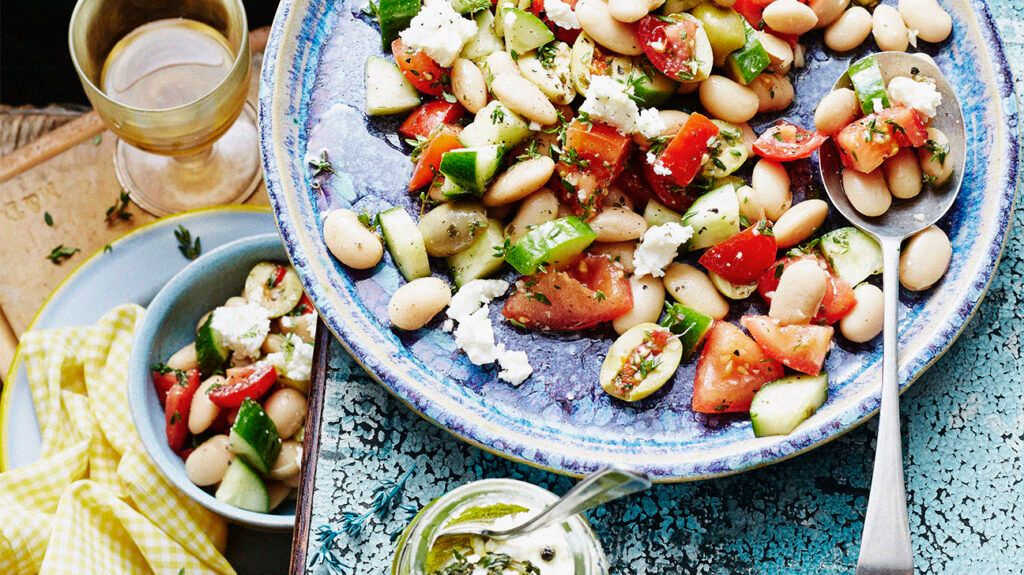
170, 325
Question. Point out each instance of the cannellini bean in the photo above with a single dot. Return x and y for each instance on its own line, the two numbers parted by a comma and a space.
780, 53
524, 98
867, 192
836, 111
296, 325
288, 461
772, 196
789, 17
618, 224
903, 174
295, 480
286, 407
865, 320
203, 412
689, 87
932, 22
620, 252
273, 344
799, 56
209, 462
925, 259
849, 31
728, 100
184, 359
799, 222
236, 301
828, 11
277, 492
938, 168
889, 30
417, 302
648, 300
468, 85
539, 207
350, 241
798, 296
519, 181
498, 63
598, 23
616, 198
774, 92
749, 137
692, 287
628, 10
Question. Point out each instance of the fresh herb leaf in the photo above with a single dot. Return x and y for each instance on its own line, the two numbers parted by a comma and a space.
48, 219
939, 152
118, 211
61, 253
546, 55
538, 297
97, 139
497, 115
321, 165
108, 248
369, 222
449, 97
188, 248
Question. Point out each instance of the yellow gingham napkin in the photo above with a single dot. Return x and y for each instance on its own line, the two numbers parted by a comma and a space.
94, 503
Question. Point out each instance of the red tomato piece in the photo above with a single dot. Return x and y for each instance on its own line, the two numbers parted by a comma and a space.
251, 381
865, 144
744, 257
631, 182
164, 382
670, 44
565, 35
908, 126
179, 403
801, 347
304, 307
785, 142
752, 10
429, 159
594, 155
666, 190
839, 297
685, 154
731, 368
590, 291
423, 73
422, 122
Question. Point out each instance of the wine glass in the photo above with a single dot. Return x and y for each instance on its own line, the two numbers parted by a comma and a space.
170, 78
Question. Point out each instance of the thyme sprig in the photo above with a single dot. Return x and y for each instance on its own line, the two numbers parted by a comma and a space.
119, 211
188, 248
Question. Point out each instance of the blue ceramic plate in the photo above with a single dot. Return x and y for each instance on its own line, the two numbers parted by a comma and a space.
312, 98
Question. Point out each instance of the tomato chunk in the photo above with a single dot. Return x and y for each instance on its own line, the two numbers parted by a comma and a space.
164, 380
429, 159
670, 44
631, 182
839, 297
664, 188
588, 292
422, 122
801, 347
423, 73
244, 382
179, 403
593, 156
785, 142
910, 128
564, 34
865, 144
744, 257
685, 154
752, 10
731, 368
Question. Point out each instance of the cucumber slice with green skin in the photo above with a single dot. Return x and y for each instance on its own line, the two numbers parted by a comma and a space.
524, 31
499, 22
731, 290
470, 6
254, 437
405, 243
728, 153
495, 124
277, 296
664, 365
724, 27
482, 258
689, 324
747, 63
210, 349
651, 88
780, 406
853, 255
714, 217
395, 16
485, 42
657, 214
472, 168
550, 243
242, 487
866, 77
387, 90
677, 6
581, 61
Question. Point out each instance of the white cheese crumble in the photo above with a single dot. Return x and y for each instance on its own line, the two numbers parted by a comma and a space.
877, 105
651, 158
242, 328
475, 332
912, 36
561, 14
439, 31
659, 247
304, 325
473, 296
609, 101
295, 360
919, 217
921, 96
662, 170
650, 124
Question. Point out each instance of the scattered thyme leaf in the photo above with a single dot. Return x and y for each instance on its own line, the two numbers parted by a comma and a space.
61, 253
188, 248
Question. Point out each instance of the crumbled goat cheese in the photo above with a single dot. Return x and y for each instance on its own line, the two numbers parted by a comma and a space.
662, 170
242, 328
304, 325
473, 296
608, 101
515, 365
475, 332
919, 217
439, 31
921, 96
475, 336
651, 158
877, 105
295, 360
650, 124
659, 247
561, 14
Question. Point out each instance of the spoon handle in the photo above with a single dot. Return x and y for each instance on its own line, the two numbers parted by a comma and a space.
885, 543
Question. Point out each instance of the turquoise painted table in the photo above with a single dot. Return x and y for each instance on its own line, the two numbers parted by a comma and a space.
963, 428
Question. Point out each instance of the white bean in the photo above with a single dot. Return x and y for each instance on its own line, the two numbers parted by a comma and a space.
618, 225
468, 85
628, 10
789, 17
184, 359
772, 196
598, 23
774, 92
519, 181
288, 461
797, 298
209, 462
868, 193
925, 259
286, 407
648, 300
203, 412
828, 11
903, 174
865, 320
780, 53
749, 137
728, 100
524, 98
849, 31
932, 22
274, 343
413, 305
937, 167
888, 28
693, 288
236, 301
616, 198
799, 222
689, 87
619, 252
498, 63
350, 241
277, 492
836, 110
539, 207
297, 325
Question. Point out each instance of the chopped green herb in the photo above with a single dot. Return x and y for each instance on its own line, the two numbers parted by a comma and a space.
188, 248
48, 219
321, 165
118, 211
939, 152
97, 139
61, 253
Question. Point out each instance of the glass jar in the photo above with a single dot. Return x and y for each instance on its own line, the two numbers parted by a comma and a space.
415, 542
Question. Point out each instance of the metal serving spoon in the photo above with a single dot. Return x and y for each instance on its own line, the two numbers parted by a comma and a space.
885, 544
594, 490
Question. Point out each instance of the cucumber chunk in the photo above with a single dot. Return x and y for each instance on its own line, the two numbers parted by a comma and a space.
550, 244
714, 217
524, 31
780, 406
210, 349
495, 124
405, 243
866, 77
661, 368
481, 259
242, 487
650, 87
689, 324
729, 289
395, 16
387, 90
275, 291
472, 168
657, 214
254, 437
728, 153
853, 255
747, 63
485, 42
